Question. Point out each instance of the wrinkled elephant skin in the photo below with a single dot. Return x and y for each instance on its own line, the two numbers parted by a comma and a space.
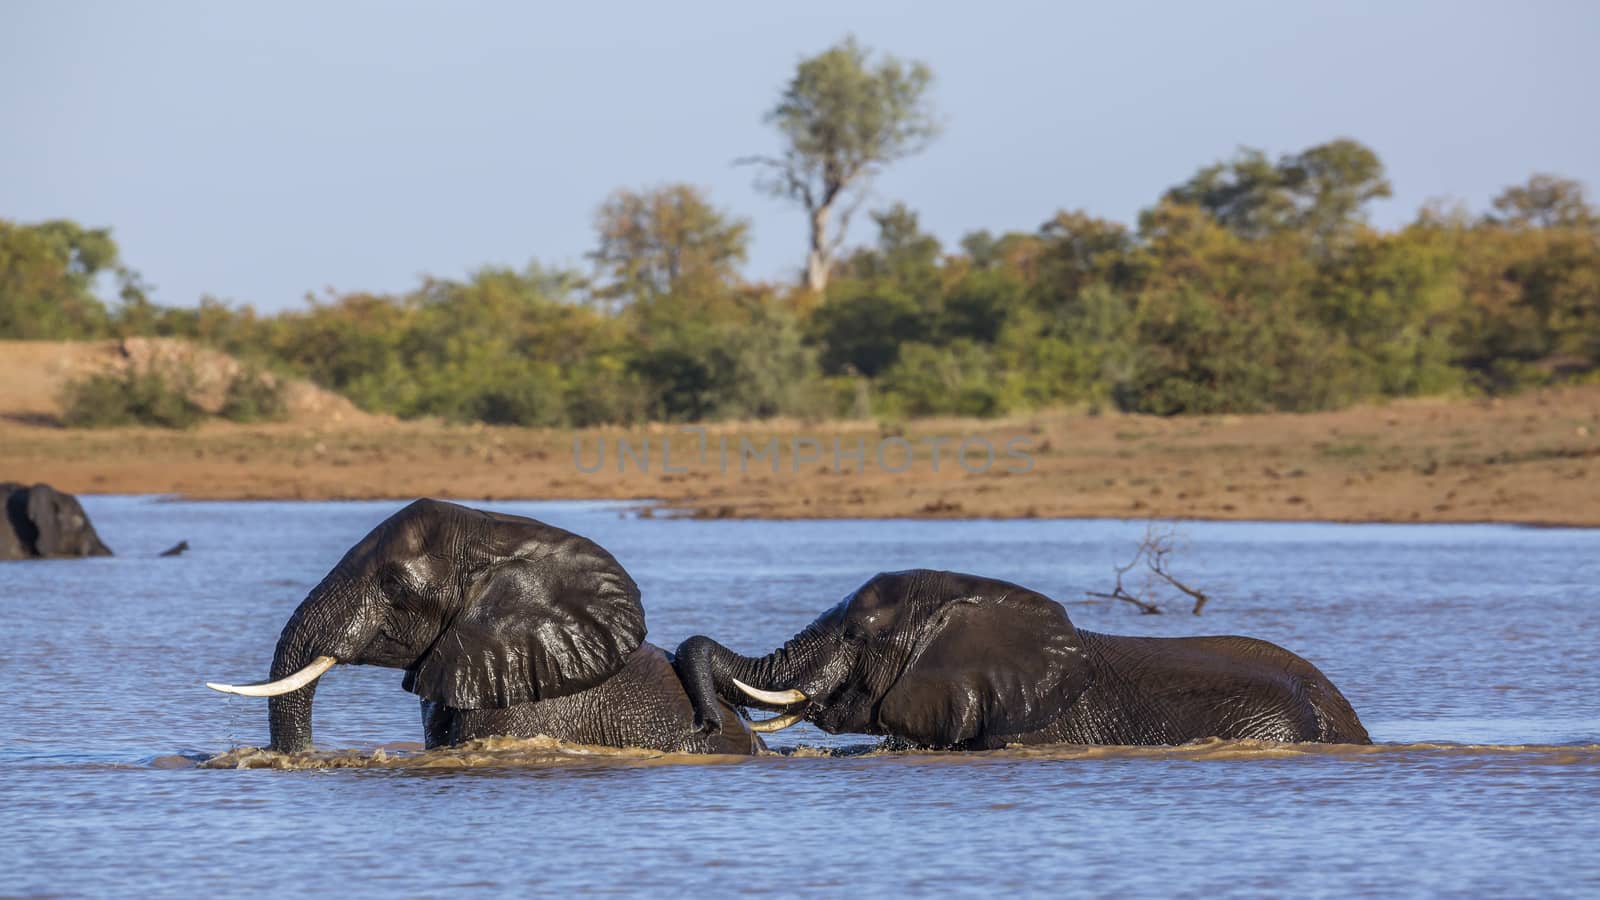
503, 625
944, 659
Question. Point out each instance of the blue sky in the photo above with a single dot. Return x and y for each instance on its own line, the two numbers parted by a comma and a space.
259, 152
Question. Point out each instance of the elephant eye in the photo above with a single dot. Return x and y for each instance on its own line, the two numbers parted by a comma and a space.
395, 583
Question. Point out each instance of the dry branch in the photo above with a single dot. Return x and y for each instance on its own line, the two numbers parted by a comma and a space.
1121, 593
1155, 551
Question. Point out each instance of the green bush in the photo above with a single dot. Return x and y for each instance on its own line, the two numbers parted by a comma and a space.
528, 398
954, 380
149, 397
862, 329
253, 396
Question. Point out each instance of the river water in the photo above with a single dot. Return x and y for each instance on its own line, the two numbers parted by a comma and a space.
1469, 652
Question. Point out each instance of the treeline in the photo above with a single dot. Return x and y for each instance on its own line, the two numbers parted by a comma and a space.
1255, 285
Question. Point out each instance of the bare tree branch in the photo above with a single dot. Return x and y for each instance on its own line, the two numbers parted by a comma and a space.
1160, 548
1155, 551
845, 213
1149, 609
1121, 593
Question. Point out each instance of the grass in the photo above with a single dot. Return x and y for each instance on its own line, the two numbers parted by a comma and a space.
1345, 451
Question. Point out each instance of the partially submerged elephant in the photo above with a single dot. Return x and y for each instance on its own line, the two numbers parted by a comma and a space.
944, 659
504, 626
40, 521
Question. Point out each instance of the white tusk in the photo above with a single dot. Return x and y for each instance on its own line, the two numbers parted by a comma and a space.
776, 698
776, 723
283, 685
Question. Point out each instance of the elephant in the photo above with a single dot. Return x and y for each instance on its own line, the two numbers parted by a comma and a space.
643, 705
504, 625
957, 661
41, 521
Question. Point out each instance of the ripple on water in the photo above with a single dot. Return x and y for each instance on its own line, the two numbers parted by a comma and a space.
1467, 650
539, 753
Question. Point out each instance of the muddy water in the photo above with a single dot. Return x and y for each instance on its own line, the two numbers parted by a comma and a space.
1470, 653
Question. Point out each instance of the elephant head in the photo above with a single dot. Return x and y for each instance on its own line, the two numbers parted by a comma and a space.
938, 658
481, 610
42, 521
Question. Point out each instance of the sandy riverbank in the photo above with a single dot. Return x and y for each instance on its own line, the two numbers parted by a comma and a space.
1534, 458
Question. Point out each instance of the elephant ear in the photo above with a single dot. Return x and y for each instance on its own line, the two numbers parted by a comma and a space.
549, 614
45, 514
1004, 662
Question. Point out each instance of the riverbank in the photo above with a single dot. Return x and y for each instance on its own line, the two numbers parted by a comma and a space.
1533, 458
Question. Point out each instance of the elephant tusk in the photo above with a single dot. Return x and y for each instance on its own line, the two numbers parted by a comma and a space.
776, 698
777, 723
283, 685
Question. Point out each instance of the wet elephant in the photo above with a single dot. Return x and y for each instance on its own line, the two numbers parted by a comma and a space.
944, 659
41, 521
503, 625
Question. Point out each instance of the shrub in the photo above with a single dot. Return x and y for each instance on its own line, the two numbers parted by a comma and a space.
526, 399
954, 380
254, 396
131, 397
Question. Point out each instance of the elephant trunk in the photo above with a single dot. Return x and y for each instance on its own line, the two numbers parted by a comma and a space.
289, 715
709, 671
331, 625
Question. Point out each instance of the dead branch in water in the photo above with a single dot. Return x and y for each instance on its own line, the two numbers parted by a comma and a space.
1121, 593
1155, 551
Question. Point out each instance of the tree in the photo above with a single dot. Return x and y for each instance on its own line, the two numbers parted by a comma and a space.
1333, 183
904, 255
861, 329
976, 307
1545, 201
669, 240
1245, 195
842, 118
1016, 251
1321, 192
1080, 250
47, 279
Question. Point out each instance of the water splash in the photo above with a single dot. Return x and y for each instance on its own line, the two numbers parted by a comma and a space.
540, 753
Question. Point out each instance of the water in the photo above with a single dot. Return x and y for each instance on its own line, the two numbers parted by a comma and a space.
1469, 652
